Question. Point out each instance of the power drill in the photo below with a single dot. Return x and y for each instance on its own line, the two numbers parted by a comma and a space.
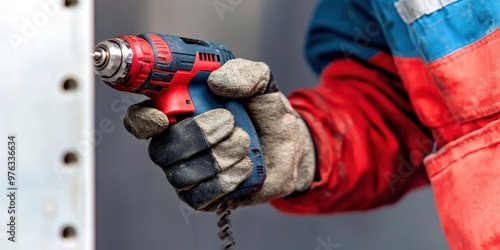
173, 71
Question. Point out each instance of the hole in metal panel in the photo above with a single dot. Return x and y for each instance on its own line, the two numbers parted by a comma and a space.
70, 85
68, 233
70, 3
70, 158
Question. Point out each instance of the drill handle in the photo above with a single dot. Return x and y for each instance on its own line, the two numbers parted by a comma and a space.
204, 100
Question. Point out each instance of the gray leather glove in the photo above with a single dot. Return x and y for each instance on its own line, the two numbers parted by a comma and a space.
205, 158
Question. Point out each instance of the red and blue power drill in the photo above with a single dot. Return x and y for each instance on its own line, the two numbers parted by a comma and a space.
173, 71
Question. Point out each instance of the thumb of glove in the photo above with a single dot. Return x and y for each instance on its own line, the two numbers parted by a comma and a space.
240, 78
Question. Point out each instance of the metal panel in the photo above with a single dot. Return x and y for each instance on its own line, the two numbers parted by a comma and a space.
46, 102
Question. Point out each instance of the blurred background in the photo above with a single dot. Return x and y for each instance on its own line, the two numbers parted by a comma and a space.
138, 209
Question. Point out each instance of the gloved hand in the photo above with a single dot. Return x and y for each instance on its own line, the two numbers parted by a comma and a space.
205, 158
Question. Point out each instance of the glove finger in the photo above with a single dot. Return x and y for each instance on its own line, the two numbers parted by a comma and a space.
190, 136
207, 192
216, 124
232, 150
143, 120
184, 174
240, 78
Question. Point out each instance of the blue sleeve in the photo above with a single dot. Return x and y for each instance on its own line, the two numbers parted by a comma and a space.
343, 29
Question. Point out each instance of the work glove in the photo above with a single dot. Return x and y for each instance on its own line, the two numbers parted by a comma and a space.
204, 157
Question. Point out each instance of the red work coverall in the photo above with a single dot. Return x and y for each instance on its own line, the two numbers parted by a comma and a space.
408, 93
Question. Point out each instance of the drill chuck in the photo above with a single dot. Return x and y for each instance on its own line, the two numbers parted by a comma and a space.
112, 60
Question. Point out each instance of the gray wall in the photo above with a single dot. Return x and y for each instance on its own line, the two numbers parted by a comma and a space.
136, 207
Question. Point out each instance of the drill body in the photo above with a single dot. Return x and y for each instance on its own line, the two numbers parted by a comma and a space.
173, 71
